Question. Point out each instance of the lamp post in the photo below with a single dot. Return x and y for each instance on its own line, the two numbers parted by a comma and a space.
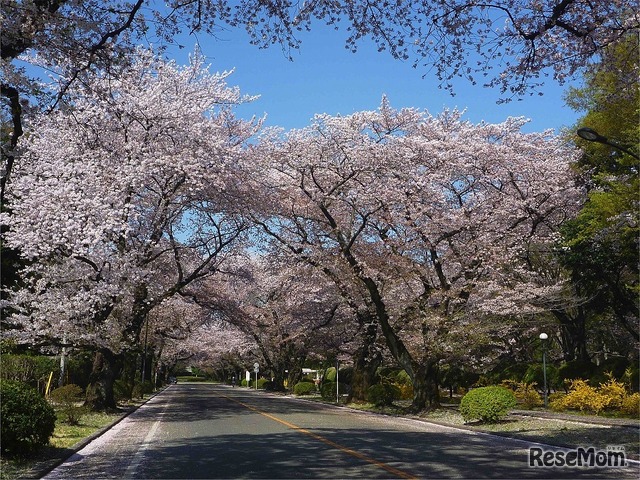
592, 136
543, 338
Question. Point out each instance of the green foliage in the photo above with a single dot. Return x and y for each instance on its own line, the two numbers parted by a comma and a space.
28, 369
304, 388
455, 377
615, 366
122, 390
330, 374
346, 375
265, 384
67, 398
631, 378
575, 369
383, 394
402, 378
488, 404
328, 390
601, 249
535, 375
140, 389
27, 421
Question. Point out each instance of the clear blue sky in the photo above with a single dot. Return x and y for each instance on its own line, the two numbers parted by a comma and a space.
327, 78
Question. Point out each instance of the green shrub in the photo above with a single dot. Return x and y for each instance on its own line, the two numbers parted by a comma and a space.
67, 398
27, 421
330, 374
28, 369
122, 390
140, 389
488, 404
265, 384
615, 367
575, 369
383, 394
402, 378
535, 374
328, 390
304, 388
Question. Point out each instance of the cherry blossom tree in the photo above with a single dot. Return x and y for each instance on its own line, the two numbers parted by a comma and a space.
433, 216
185, 332
506, 43
124, 197
290, 312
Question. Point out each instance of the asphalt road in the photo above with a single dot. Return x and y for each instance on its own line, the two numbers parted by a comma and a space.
208, 431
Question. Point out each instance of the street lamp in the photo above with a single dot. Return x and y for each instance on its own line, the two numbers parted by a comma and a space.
591, 135
543, 338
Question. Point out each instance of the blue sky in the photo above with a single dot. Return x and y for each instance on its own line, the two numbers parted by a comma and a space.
327, 78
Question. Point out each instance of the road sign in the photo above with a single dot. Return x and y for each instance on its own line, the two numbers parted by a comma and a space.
256, 367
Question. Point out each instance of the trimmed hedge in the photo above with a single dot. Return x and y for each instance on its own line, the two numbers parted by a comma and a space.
304, 388
328, 390
383, 394
27, 421
488, 404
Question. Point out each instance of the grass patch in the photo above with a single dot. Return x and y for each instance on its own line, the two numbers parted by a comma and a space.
64, 437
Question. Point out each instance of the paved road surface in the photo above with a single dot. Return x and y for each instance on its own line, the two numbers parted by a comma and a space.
208, 431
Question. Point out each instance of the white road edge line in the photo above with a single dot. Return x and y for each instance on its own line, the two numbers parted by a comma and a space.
139, 455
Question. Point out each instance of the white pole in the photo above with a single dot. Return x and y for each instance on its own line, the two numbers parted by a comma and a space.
337, 383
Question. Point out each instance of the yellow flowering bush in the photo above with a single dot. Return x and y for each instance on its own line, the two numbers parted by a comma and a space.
610, 395
526, 393
631, 405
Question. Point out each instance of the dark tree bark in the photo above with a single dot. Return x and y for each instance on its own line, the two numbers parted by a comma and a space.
106, 367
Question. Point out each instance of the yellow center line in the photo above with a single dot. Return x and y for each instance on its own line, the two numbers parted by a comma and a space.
322, 439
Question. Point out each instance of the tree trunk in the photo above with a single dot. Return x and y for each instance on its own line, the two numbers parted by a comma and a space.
425, 386
99, 396
573, 333
365, 364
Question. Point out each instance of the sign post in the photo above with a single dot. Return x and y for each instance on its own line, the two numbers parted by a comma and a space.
256, 369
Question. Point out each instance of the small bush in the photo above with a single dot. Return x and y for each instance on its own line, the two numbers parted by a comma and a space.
556, 401
488, 404
582, 396
67, 398
525, 393
265, 384
330, 374
631, 405
122, 390
140, 389
304, 388
406, 391
575, 369
383, 394
27, 420
328, 390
